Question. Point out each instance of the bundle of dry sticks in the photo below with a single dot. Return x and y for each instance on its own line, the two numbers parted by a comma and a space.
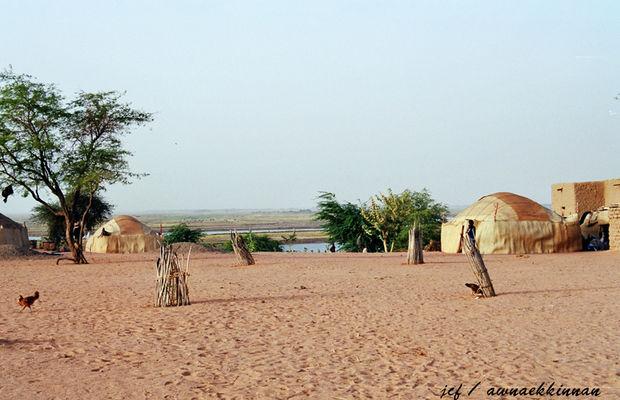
171, 288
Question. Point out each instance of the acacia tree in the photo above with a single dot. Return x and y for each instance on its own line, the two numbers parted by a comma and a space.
386, 214
60, 151
390, 216
426, 212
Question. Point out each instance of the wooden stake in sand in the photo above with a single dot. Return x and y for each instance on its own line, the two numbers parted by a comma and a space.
171, 288
414, 252
241, 251
477, 266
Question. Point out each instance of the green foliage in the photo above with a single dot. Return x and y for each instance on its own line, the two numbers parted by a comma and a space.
64, 149
344, 224
290, 239
261, 243
182, 233
391, 215
386, 214
430, 214
383, 223
98, 212
256, 242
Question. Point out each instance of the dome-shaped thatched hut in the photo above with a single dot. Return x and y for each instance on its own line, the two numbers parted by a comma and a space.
507, 223
123, 234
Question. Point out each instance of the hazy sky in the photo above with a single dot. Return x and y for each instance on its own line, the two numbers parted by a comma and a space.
261, 104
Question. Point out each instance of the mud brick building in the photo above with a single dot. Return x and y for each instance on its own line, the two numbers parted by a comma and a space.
614, 228
578, 198
581, 197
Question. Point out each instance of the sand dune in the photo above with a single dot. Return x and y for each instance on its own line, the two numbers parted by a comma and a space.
363, 326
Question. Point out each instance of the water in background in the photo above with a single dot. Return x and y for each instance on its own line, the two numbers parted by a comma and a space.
309, 247
266, 230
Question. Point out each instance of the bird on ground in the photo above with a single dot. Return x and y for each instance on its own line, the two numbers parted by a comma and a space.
27, 301
475, 289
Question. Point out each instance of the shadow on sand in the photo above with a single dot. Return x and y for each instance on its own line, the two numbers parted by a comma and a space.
17, 342
559, 290
264, 299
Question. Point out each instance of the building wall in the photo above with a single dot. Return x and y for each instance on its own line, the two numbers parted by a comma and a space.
579, 197
590, 196
563, 198
612, 192
614, 228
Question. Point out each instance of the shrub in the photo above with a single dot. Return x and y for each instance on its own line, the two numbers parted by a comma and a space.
182, 233
345, 225
257, 243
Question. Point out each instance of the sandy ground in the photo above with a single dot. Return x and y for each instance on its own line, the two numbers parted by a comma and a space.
365, 326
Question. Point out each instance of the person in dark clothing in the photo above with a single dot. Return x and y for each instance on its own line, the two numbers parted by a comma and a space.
471, 231
332, 248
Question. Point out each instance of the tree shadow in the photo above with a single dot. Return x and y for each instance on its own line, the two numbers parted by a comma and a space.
558, 290
432, 262
263, 299
16, 342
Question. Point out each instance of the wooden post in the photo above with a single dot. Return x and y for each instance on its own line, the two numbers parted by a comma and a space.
418, 253
414, 251
410, 246
477, 266
241, 251
171, 288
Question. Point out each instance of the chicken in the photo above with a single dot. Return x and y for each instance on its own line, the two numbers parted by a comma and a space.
27, 301
475, 289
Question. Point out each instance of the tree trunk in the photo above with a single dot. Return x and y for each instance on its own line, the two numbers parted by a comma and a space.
414, 250
80, 233
477, 266
77, 254
418, 245
241, 251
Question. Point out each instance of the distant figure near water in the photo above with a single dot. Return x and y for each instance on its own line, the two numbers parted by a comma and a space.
332, 248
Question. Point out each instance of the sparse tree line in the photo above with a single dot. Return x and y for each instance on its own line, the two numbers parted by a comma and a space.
383, 222
64, 153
